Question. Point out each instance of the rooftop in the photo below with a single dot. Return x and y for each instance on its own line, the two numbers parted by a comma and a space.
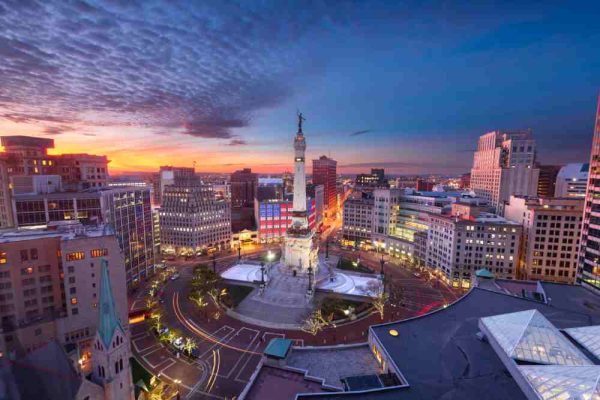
66, 230
440, 355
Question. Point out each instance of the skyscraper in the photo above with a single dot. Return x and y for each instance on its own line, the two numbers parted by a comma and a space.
192, 220
243, 188
504, 165
572, 180
589, 253
325, 173
547, 180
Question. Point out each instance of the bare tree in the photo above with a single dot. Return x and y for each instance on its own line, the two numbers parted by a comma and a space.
316, 322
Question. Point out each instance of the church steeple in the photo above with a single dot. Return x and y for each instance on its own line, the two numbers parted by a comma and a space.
111, 349
108, 318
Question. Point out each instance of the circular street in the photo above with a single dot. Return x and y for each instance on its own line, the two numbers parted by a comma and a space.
228, 350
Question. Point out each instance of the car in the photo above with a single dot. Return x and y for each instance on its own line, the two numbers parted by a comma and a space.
178, 343
418, 275
175, 276
163, 330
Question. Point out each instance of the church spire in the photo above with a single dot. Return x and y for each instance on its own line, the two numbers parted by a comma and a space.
108, 319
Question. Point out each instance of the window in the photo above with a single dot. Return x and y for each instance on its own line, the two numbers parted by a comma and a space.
98, 253
24, 255
75, 255
73, 300
2, 257
34, 254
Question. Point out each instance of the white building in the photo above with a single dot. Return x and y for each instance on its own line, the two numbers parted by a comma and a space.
551, 229
193, 220
571, 180
458, 247
504, 165
357, 219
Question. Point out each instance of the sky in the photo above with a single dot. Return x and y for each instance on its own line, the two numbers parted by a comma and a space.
407, 86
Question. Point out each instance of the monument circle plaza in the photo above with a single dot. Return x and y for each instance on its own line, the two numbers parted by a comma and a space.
284, 294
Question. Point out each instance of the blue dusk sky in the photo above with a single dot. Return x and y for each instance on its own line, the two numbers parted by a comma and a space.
408, 86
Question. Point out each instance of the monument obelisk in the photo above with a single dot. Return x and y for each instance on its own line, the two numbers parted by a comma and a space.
300, 251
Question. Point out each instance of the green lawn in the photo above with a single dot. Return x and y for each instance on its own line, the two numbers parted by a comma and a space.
348, 265
235, 294
336, 306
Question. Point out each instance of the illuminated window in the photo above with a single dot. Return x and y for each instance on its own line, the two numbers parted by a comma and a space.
76, 255
98, 252
2, 257
73, 300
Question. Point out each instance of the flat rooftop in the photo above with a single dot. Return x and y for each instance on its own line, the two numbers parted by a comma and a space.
441, 357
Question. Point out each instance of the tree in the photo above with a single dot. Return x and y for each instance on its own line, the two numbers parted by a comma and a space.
198, 299
156, 317
189, 344
316, 322
379, 303
157, 392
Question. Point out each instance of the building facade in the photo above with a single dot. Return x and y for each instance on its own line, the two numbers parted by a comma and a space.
547, 180
274, 217
551, 231
457, 248
49, 285
504, 165
243, 188
357, 219
193, 220
325, 173
589, 253
571, 180
129, 213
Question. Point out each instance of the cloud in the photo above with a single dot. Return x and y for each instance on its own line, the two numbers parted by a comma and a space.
57, 130
237, 142
194, 69
358, 133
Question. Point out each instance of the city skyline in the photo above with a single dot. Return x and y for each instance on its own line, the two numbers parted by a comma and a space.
126, 81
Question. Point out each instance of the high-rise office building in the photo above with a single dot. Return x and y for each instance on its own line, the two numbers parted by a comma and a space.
589, 253
504, 165
571, 180
193, 220
357, 218
325, 173
129, 212
376, 179
458, 246
551, 230
243, 188
547, 180
169, 175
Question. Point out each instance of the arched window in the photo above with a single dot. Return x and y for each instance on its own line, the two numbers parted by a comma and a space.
121, 364
116, 367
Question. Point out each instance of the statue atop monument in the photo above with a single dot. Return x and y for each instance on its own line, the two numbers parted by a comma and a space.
300, 120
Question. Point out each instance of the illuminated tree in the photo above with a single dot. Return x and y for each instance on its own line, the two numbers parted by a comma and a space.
157, 392
189, 344
316, 322
198, 299
379, 303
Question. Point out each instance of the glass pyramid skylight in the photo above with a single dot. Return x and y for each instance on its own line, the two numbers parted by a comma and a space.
558, 382
588, 337
529, 336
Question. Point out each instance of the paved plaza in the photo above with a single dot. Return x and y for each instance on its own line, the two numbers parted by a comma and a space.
283, 301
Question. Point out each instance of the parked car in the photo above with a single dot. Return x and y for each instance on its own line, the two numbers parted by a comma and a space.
163, 330
175, 276
178, 343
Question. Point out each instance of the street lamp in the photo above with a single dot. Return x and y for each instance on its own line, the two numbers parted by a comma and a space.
214, 262
239, 251
262, 276
310, 273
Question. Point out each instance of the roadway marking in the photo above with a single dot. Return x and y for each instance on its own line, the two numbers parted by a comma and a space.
221, 339
254, 337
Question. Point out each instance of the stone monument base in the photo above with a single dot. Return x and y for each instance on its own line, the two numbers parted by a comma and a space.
299, 252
